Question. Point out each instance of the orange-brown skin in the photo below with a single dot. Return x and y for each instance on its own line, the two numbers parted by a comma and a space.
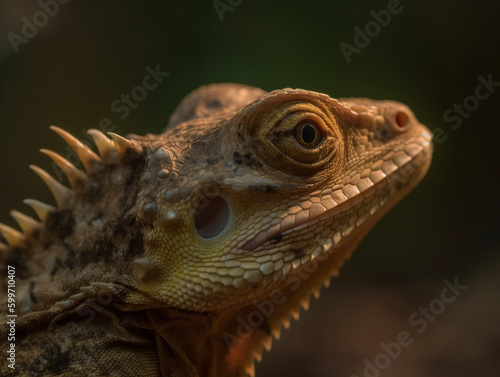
158, 258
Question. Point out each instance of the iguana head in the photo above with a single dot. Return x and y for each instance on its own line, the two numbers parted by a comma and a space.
245, 195
242, 201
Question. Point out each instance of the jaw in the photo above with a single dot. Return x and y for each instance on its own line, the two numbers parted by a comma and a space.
249, 330
228, 342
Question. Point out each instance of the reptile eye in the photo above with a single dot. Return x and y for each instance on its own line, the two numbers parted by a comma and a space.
298, 137
308, 134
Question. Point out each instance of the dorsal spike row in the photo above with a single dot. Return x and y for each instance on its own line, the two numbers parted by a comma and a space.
89, 159
41, 209
12, 236
105, 146
26, 223
61, 193
75, 175
121, 143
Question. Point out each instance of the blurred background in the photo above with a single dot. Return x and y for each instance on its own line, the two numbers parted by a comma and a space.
430, 55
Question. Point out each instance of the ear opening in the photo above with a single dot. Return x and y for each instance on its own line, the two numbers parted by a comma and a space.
211, 217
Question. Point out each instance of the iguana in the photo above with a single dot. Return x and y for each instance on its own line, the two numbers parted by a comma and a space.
184, 253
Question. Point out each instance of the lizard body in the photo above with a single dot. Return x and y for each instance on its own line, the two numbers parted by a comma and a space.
184, 253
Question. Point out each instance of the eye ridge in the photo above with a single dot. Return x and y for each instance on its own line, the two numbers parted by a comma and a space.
308, 134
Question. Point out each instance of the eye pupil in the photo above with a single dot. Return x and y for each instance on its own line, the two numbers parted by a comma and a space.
308, 133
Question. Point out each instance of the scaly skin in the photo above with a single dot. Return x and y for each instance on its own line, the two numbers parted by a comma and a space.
183, 254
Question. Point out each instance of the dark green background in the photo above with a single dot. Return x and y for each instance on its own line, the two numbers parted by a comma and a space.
429, 57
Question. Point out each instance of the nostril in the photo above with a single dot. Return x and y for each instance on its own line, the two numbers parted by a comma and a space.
401, 119
211, 216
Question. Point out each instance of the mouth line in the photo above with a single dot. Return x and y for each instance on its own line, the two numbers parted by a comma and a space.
340, 200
